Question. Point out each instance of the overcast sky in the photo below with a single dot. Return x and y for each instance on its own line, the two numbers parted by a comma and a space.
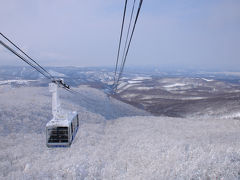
170, 33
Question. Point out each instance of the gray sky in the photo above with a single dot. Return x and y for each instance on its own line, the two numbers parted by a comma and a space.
170, 34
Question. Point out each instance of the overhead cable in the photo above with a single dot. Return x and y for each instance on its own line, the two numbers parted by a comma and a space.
24, 59
129, 26
120, 40
34, 65
26, 55
134, 26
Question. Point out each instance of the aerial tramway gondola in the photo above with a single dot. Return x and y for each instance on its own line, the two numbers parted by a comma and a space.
61, 130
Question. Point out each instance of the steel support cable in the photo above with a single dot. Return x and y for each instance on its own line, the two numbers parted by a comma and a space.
22, 58
27, 55
120, 41
129, 26
63, 85
120, 74
59, 82
84, 97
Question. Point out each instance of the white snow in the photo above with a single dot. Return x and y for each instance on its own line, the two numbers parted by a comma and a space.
16, 81
144, 88
175, 85
134, 82
232, 115
122, 84
193, 98
208, 80
152, 97
129, 95
124, 87
57, 74
135, 146
141, 78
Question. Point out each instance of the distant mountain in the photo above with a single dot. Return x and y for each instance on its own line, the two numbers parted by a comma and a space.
104, 76
171, 93
181, 97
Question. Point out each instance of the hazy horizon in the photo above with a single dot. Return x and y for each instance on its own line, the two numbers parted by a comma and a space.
141, 69
169, 34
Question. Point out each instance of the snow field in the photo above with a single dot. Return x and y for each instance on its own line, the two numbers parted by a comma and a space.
114, 141
129, 148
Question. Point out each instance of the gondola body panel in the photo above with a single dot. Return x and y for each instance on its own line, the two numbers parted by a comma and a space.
61, 132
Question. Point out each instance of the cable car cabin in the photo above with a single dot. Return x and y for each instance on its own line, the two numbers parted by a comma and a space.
61, 132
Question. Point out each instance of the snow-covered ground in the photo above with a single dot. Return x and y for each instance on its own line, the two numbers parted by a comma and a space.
16, 81
175, 85
114, 141
56, 74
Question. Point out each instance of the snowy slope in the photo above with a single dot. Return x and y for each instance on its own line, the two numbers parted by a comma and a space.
115, 141
28, 109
